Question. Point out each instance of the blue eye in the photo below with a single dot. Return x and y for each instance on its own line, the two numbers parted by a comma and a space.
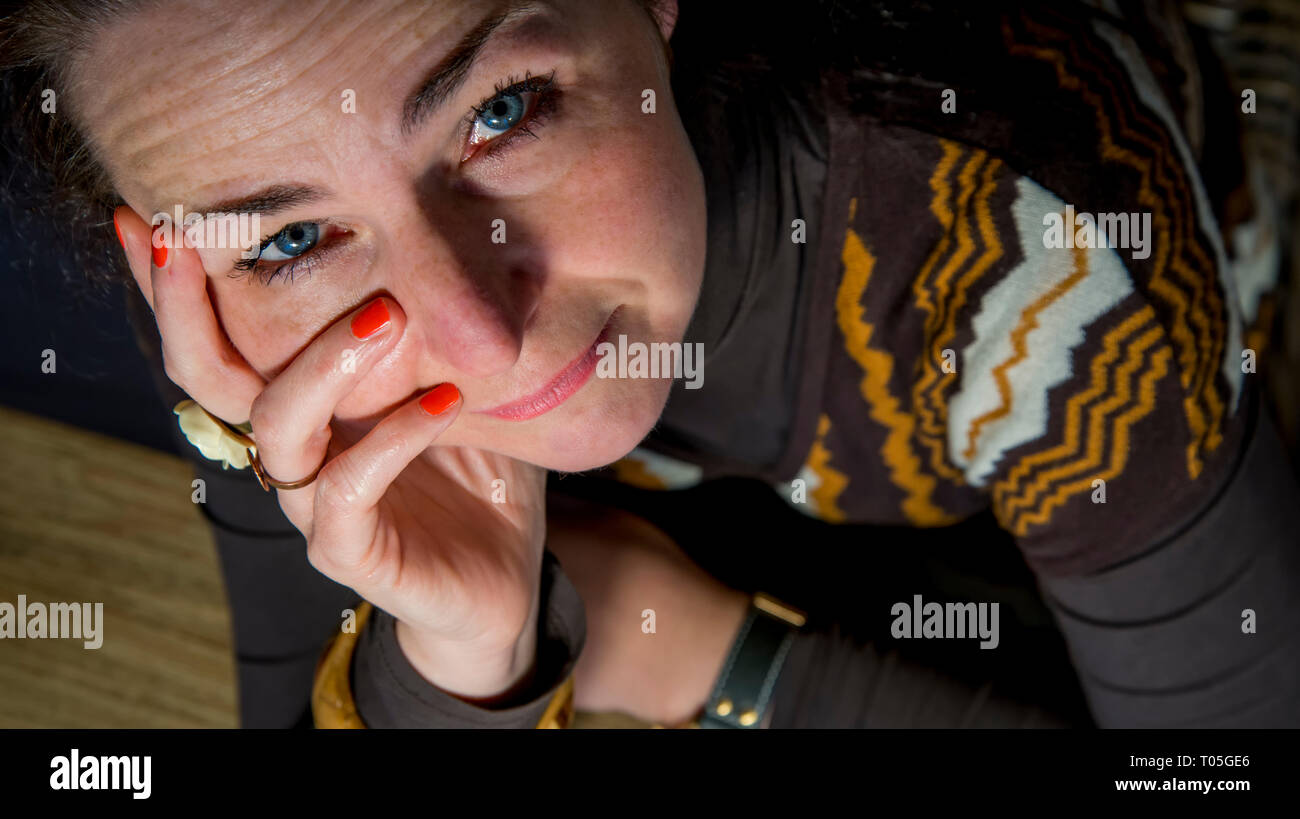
502, 114
293, 241
515, 108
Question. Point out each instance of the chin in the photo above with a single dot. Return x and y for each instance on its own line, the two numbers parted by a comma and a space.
604, 425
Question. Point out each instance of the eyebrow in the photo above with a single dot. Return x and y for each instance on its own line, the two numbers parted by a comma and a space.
436, 88
450, 73
269, 201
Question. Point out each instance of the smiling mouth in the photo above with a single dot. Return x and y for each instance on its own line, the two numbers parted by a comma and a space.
560, 389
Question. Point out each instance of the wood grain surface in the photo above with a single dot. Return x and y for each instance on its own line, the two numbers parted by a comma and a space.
87, 518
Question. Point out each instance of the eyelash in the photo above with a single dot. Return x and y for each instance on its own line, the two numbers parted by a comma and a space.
543, 106
289, 270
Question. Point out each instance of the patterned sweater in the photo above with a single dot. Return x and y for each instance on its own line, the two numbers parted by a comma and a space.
954, 362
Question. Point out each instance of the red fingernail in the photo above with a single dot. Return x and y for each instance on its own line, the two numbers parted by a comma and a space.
370, 320
160, 256
440, 399
118, 228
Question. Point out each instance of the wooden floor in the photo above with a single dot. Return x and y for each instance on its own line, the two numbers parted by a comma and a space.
85, 518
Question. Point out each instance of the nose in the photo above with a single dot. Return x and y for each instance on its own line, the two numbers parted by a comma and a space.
469, 300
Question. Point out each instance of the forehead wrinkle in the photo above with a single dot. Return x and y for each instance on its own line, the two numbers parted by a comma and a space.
278, 58
399, 33
206, 68
235, 131
259, 90
239, 184
251, 85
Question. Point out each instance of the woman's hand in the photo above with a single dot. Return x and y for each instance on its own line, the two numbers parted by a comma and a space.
409, 525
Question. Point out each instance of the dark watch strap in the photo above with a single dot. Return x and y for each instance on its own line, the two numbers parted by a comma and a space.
742, 696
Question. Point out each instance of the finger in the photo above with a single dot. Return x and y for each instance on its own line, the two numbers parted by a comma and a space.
291, 417
343, 543
134, 233
198, 356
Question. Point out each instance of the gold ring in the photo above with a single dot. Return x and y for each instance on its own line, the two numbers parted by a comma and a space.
220, 441
267, 481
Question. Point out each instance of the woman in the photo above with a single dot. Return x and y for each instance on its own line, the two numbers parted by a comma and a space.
463, 202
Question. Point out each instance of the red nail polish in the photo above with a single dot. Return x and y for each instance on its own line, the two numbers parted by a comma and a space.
440, 399
118, 228
160, 256
370, 320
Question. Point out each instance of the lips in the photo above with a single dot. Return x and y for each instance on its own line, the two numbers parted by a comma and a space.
560, 389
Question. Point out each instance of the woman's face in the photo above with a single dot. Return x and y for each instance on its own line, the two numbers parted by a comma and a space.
319, 105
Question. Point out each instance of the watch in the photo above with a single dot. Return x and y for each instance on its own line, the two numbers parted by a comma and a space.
742, 695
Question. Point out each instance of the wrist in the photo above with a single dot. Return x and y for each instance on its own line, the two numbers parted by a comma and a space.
720, 617
477, 672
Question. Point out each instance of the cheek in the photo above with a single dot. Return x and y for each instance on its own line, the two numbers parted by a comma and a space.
271, 323
270, 331
271, 344
636, 213
266, 334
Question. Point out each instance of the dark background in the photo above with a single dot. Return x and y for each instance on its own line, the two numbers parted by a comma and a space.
101, 381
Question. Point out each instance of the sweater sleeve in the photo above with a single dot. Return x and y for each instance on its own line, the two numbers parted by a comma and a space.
1200, 629
390, 693
1204, 628
831, 680
1112, 421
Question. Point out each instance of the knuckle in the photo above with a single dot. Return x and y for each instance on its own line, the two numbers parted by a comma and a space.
175, 371
339, 486
320, 439
342, 562
322, 560
224, 373
228, 359
262, 421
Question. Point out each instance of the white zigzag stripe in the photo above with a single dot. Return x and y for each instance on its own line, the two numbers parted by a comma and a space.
1047, 361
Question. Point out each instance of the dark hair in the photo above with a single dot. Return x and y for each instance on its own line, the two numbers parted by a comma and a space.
54, 176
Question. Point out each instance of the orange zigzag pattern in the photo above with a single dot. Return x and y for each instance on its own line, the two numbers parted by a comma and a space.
1007, 497
1213, 328
877, 366
1119, 437
942, 211
940, 322
993, 251
1192, 365
831, 481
